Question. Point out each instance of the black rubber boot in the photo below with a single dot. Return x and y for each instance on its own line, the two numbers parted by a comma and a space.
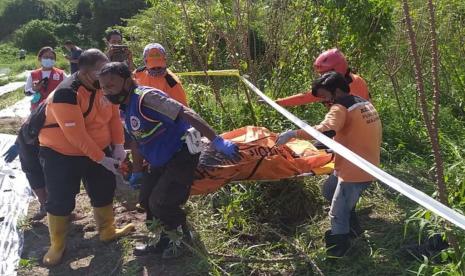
337, 245
153, 249
355, 228
177, 243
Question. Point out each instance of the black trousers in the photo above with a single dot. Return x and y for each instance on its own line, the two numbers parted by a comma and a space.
63, 176
30, 163
165, 189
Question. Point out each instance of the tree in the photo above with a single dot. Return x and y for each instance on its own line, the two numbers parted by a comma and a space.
35, 35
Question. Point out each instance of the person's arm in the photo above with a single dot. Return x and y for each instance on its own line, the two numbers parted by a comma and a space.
299, 99
130, 60
28, 90
116, 127
173, 109
69, 117
334, 121
198, 123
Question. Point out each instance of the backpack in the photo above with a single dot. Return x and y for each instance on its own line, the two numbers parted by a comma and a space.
35, 122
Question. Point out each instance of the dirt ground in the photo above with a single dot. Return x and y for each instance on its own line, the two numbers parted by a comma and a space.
86, 255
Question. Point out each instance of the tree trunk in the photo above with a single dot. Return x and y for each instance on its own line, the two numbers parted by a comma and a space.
430, 122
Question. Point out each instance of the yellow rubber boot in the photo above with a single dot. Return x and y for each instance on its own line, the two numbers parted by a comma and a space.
105, 221
58, 228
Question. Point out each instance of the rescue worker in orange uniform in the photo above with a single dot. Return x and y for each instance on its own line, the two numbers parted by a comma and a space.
330, 60
154, 74
354, 123
82, 140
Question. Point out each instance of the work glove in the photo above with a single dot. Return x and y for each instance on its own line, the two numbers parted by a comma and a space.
118, 152
11, 153
226, 147
110, 164
135, 180
285, 136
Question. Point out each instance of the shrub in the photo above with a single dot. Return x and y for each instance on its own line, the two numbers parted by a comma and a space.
35, 35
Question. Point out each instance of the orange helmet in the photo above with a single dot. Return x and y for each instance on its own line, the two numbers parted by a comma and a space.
331, 60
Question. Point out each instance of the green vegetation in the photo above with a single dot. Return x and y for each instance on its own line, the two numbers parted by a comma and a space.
249, 228
82, 21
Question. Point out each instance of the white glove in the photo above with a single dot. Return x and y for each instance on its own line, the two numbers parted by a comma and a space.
110, 164
285, 136
118, 152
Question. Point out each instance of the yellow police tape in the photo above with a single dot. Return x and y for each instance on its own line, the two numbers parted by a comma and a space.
222, 73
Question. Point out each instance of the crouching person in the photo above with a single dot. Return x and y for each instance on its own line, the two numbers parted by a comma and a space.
81, 140
354, 123
159, 125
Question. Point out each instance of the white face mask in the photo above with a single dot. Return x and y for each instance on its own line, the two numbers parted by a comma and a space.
47, 62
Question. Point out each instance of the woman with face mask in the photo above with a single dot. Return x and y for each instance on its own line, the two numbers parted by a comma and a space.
41, 82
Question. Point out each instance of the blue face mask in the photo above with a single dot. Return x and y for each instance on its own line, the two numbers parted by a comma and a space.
47, 62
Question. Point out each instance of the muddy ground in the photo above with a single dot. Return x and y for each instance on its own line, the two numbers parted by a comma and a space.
86, 255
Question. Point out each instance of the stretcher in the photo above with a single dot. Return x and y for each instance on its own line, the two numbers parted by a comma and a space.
260, 160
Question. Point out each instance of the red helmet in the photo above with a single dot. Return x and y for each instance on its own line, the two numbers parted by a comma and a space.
330, 60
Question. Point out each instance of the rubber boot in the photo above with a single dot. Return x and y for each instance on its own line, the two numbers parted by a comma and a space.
154, 248
355, 228
337, 245
177, 243
58, 228
105, 221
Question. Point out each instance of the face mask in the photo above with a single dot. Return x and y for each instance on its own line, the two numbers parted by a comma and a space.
120, 97
47, 62
156, 72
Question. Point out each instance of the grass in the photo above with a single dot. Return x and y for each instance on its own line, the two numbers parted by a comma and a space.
267, 233
9, 61
10, 125
27, 264
11, 98
273, 228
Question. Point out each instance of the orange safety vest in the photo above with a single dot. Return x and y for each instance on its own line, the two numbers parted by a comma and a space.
168, 83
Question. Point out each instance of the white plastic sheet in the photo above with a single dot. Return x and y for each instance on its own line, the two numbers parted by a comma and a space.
19, 109
12, 86
15, 195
